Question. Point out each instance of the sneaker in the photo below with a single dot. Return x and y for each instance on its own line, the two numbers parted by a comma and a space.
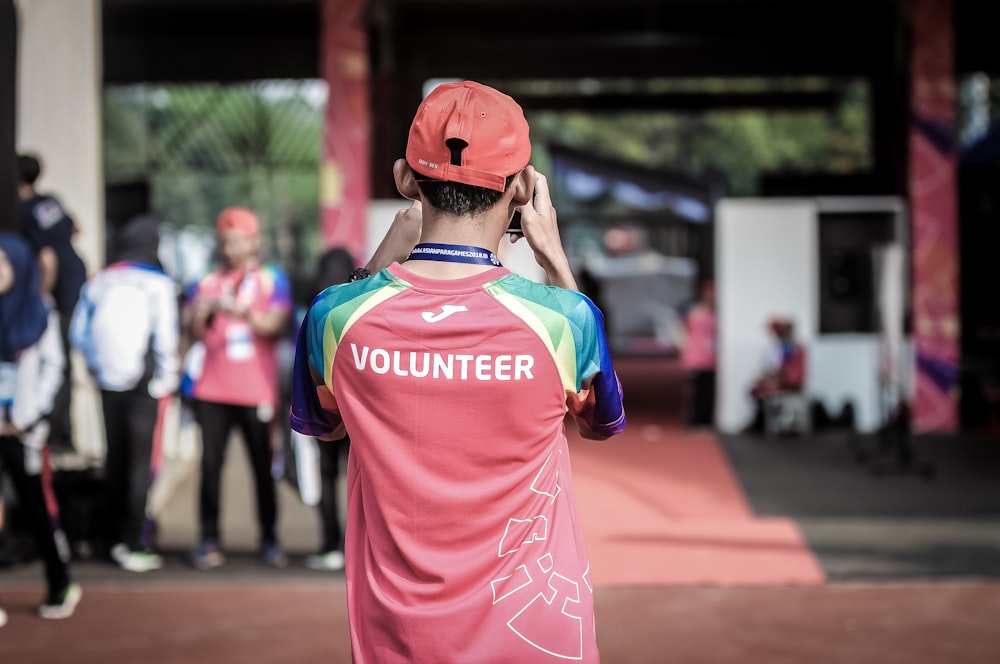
207, 556
142, 561
330, 561
135, 561
3, 617
274, 556
62, 606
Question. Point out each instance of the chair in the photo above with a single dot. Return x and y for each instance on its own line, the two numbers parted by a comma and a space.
787, 412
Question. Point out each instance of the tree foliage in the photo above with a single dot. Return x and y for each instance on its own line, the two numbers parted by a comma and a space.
736, 146
205, 147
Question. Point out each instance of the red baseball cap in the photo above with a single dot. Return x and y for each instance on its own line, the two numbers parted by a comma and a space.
490, 123
237, 219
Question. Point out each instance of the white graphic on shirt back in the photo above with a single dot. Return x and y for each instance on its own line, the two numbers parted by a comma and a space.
446, 310
533, 623
506, 586
549, 597
523, 531
542, 477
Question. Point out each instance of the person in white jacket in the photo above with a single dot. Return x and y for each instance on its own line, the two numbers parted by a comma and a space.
126, 327
31, 365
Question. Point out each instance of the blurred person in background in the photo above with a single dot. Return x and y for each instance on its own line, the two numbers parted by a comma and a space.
126, 327
784, 369
31, 362
239, 311
334, 267
50, 230
698, 357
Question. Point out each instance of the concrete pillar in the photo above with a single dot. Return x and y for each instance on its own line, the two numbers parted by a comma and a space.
58, 109
58, 117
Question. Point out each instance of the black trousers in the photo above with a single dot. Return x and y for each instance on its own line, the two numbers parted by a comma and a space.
131, 420
21, 463
217, 421
60, 420
701, 400
331, 534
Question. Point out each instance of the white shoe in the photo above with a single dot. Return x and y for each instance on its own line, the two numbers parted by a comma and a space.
142, 561
331, 561
136, 561
65, 606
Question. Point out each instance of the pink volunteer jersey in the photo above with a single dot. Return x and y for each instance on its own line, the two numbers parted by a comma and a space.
698, 353
241, 367
463, 542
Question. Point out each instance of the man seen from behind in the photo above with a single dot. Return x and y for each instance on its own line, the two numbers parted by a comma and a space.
453, 377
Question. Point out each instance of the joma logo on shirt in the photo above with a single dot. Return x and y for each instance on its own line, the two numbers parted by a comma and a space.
446, 310
446, 366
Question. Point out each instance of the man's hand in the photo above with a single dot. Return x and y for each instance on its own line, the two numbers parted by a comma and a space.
540, 228
402, 236
201, 310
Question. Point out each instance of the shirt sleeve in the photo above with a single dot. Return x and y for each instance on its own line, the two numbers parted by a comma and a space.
39, 376
598, 405
314, 410
281, 295
80, 335
166, 369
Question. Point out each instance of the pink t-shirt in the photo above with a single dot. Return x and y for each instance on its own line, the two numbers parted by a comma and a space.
463, 542
699, 351
241, 367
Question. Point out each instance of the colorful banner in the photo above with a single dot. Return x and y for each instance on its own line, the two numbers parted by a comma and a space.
934, 216
344, 176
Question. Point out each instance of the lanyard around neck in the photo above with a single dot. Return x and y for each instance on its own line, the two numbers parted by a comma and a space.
453, 253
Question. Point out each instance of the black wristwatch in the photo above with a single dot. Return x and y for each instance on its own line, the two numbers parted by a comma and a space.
359, 274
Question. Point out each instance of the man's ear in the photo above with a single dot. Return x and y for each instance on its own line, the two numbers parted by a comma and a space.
406, 183
523, 186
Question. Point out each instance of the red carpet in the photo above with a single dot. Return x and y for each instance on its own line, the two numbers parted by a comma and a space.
662, 506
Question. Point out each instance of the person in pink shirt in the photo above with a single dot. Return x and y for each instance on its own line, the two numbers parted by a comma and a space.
238, 311
454, 377
698, 357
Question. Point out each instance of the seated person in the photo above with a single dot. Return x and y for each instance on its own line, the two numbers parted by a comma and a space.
784, 370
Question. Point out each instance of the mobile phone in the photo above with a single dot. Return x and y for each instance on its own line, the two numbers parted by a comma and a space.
515, 223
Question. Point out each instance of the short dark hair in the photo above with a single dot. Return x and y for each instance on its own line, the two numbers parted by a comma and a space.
460, 199
333, 267
28, 168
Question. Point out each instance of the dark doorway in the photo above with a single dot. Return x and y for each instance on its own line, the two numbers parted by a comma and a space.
8, 103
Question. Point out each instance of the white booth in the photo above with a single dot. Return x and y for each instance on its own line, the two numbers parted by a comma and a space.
811, 260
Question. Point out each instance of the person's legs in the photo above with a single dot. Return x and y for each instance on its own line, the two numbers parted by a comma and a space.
709, 402
27, 468
60, 419
143, 420
116, 463
215, 420
257, 437
702, 411
691, 398
329, 467
331, 556
3, 614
